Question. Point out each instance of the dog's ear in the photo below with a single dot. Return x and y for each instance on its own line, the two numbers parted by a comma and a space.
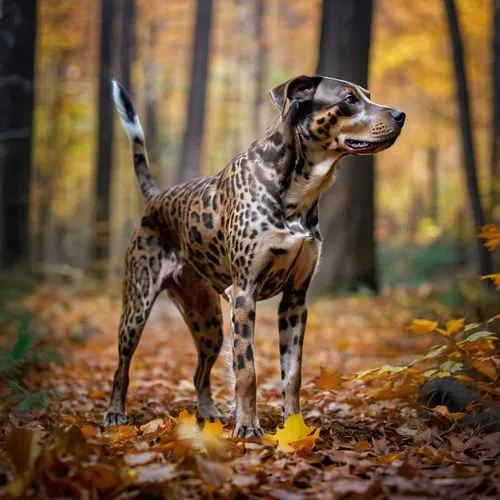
300, 89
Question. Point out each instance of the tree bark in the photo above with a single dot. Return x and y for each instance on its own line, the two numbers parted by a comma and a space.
190, 159
18, 26
485, 263
347, 212
495, 128
104, 160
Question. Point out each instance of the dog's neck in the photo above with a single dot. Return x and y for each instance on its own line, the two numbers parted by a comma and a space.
301, 172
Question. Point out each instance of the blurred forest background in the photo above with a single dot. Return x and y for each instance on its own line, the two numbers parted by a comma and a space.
199, 73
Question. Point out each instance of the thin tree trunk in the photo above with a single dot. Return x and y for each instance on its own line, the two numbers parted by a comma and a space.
102, 228
127, 43
347, 212
190, 159
18, 26
151, 98
485, 261
495, 140
260, 66
433, 183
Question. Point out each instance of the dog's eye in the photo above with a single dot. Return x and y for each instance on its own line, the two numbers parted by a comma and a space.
351, 99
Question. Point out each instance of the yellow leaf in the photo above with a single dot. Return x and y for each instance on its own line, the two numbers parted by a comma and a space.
422, 326
187, 427
453, 326
486, 367
295, 435
329, 379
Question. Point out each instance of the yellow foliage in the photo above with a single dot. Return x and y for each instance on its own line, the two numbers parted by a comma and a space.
295, 435
422, 326
452, 327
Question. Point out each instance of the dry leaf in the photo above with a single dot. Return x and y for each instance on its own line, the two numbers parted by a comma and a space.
23, 448
329, 379
151, 426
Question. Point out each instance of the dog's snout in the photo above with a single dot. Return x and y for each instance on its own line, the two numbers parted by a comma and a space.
399, 116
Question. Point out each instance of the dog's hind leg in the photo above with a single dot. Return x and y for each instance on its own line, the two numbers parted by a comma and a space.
199, 305
144, 269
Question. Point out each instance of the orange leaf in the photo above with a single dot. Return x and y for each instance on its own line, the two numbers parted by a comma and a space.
329, 379
361, 446
490, 233
443, 410
120, 433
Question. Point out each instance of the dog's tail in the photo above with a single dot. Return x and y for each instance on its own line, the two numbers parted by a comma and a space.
132, 126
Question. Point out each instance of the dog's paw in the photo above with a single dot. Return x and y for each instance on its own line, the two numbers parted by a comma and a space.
114, 418
243, 431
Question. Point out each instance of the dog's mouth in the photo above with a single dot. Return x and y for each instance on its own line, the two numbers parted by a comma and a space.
355, 146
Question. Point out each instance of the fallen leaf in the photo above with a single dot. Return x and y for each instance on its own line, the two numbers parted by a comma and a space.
118, 433
295, 435
134, 459
329, 379
152, 426
361, 446
22, 446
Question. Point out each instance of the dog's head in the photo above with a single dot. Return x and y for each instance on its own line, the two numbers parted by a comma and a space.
336, 115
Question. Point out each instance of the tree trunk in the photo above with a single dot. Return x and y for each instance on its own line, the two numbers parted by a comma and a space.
18, 24
102, 228
151, 72
485, 261
260, 66
127, 44
433, 183
495, 139
347, 212
190, 159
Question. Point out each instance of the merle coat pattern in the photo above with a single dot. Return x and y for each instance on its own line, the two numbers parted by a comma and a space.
247, 233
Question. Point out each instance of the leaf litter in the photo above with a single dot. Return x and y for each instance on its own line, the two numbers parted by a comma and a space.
363, 432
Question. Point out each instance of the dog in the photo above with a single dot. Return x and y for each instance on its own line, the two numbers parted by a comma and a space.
247, 233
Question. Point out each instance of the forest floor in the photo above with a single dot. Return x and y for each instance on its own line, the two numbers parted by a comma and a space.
366, 436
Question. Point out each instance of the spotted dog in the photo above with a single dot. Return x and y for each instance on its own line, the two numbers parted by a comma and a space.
247, 233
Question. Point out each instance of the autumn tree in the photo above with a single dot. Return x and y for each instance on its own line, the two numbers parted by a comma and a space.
469, 160
347, 209
18, 27
190, 159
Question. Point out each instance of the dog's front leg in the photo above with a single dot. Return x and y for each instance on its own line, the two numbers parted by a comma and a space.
291, 323
242, 328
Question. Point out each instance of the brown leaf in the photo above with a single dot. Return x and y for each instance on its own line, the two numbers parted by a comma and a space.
22, 446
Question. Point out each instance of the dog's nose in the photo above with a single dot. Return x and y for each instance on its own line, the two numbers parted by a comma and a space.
398, 116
